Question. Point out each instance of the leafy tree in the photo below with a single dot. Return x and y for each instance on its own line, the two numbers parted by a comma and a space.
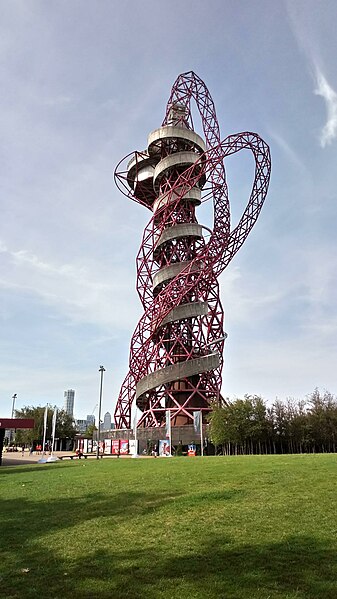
323, 420
299, 429
248, 426
90, 432
281, 422
218, 425
64, 425
240, 423
259, 429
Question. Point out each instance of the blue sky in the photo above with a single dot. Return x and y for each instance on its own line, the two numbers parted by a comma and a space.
83, 83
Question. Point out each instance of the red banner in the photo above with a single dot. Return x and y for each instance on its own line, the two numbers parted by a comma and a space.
16, 423
123, 446
115, 446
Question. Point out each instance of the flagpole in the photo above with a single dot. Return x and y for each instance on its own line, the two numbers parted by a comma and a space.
43, 460
44, 429
52, 457
135, 455
201, 435
170, 434
53, 433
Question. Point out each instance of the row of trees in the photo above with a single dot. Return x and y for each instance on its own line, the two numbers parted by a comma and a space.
249, 426
244, 426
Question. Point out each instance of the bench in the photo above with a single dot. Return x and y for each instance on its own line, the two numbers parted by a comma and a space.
76, 457
87, 455
101, 455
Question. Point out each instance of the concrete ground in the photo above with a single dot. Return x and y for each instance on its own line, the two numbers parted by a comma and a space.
17, 459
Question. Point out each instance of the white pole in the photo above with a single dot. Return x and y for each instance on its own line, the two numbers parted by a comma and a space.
12, 416
101, 370
52, 457
201, 435
43, 459
53, 432
170, 434
135, 455
44, 429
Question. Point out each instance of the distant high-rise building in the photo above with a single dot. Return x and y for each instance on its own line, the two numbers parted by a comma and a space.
107, 421
81, 426
69, 397
90, 419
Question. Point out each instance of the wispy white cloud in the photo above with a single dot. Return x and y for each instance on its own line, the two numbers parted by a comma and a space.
291, 154
284, 368
80, 292
329, 131
282, 329
243, 300
299, 298
41, 385
308, 26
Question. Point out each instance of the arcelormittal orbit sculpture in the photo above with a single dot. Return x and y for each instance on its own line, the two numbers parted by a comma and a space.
176, 349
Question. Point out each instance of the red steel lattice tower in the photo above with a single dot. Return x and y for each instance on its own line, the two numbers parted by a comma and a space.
176, 349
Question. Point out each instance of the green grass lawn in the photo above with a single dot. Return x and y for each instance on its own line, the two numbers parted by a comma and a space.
252, 527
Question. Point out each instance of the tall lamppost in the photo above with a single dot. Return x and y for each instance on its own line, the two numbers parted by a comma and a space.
13, 404
12, 416
101, 370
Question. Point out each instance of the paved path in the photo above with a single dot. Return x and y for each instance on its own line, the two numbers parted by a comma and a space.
17, 459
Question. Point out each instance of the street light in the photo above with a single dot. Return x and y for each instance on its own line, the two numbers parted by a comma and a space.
101, 370
13, 404
12, 416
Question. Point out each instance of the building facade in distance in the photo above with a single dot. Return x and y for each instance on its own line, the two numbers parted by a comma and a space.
107, 422
69, 398
81, 425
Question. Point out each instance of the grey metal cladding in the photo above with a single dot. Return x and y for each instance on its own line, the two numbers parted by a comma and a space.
180, 230
186, 311
193, 195
169, 132
179, 159
177, 372
169, 272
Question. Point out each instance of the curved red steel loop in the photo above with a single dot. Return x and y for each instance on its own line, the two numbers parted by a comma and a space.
152, 342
